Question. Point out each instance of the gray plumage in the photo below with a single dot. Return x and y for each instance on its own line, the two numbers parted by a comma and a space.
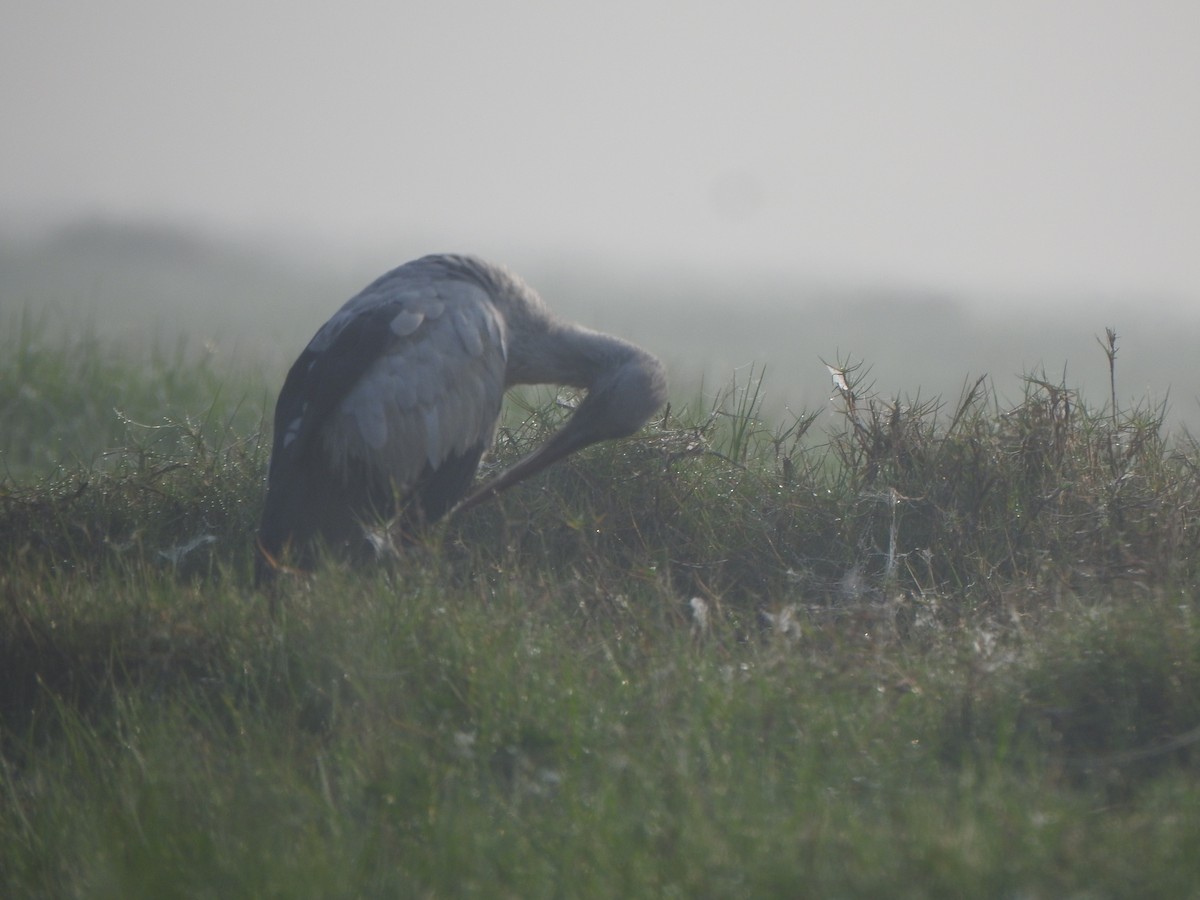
389, 408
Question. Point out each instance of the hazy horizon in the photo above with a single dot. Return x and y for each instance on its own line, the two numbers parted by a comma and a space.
150, 285
938, 189
1009, 154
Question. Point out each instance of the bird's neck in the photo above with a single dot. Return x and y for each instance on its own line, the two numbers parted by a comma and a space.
564, 353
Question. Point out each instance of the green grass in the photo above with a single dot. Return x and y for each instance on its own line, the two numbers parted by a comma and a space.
919, 649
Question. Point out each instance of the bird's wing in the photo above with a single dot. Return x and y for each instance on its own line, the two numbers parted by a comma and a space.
404, 375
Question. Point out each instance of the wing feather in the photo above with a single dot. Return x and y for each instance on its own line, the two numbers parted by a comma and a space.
406, 322
470, 332
434, 450
430, 393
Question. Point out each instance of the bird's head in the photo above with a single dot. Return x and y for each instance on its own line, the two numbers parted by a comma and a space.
619, 401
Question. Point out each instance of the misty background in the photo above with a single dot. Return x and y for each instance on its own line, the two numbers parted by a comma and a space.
941, 190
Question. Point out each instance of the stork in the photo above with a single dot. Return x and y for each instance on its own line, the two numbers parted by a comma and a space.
387, 411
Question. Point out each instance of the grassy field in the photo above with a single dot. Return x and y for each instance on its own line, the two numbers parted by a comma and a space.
948, 649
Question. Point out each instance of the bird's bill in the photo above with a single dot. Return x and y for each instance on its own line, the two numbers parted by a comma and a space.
561, 444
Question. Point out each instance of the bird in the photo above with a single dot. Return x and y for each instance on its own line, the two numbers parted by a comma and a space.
386, 413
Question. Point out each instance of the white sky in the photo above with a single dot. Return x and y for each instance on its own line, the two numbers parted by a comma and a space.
1023, 145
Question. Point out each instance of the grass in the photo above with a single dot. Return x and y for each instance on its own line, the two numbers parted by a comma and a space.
921, 649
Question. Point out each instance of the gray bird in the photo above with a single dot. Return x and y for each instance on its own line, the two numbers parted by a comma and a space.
386, 413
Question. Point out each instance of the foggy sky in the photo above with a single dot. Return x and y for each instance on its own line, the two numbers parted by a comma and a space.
1026, 147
